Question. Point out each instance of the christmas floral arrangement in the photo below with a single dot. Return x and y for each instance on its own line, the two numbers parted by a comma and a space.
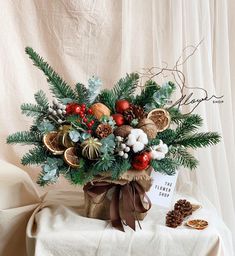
87, 133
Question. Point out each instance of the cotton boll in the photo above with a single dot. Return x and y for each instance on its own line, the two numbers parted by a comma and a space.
164, 148
138, 147
136, 132
131, 140
157, 155
143, 139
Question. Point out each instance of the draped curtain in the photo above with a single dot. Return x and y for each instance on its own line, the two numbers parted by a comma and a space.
108, 38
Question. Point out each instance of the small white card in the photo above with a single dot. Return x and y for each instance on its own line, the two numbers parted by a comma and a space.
162, 190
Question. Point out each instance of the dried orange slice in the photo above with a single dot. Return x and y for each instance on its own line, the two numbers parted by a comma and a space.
52, 143
71, 157
197, 224
161, 118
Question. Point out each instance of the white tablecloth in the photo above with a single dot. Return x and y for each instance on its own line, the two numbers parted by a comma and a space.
56, 226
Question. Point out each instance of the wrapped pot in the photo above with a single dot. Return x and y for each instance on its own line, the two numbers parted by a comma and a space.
121, 200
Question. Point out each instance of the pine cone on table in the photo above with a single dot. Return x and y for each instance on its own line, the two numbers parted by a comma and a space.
184, 207
174, 219
133, 112
103, 130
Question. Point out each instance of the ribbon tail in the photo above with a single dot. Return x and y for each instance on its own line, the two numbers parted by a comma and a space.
114, 210
128, 206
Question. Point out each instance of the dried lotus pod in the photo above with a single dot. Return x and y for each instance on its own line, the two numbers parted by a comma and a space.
91, 148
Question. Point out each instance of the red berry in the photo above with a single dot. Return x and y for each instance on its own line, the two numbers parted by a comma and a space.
89, 111
83, 106
77, 110
82, 115
92, 121
89, 131
122, 105
70, 108
89, 125
85, 120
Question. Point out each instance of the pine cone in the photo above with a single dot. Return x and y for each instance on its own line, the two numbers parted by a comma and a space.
184, 207
133, 112
174, 219
103, 130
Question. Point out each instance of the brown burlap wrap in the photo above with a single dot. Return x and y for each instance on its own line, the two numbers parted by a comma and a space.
118, 200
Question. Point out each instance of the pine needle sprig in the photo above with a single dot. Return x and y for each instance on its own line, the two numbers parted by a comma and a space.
198, 140
25, 137
57, 85
189, 125
184, 157
82, 94
37, 155
32, 110
41, 99
146, 95
166, 166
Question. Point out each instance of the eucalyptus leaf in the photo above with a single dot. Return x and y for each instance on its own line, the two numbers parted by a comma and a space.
45, 126
74, 135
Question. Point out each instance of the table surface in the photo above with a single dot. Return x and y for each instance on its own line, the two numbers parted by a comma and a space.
60, 228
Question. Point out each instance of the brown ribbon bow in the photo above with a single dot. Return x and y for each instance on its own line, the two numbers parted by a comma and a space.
131, 194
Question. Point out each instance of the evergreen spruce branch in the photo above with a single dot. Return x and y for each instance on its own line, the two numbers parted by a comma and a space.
107, 98
168, 136
82, 94
41, 99
58, 87
125, 87
146, 95
198, 140
25, 137
184, 157
37, 155
189, 125
119, 167
32, 110
167, 166
176, 116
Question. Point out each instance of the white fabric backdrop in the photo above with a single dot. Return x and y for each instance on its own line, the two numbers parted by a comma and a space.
110, 38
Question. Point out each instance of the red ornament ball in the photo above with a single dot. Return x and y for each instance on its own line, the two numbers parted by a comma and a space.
141, 162
119, 119
71, 108
122, 105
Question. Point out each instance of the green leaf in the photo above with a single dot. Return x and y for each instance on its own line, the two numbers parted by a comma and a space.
108, 145
45, 126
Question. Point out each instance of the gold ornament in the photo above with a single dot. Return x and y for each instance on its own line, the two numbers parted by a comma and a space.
91, 148
64, 136
122, 131
51, 141
71, 158
149, 127
99, 110
161, 118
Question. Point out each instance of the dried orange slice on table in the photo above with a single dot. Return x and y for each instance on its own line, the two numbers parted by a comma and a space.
161, 118
71, 157
197, 224
52, 142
